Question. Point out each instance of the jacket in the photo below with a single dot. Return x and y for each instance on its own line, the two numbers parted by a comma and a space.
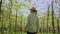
32, 22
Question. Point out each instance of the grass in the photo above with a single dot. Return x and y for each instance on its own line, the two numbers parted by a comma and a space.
25, 33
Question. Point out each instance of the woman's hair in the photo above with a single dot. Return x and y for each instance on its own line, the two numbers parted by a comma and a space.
35, 11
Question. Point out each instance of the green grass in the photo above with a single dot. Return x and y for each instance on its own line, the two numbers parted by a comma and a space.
26, 33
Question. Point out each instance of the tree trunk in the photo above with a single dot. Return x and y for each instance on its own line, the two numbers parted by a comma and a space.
58, 25
59, 15
0, 9
10, 18
1, 20
47, 18
53, 18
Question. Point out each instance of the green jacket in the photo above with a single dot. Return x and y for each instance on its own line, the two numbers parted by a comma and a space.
32, 22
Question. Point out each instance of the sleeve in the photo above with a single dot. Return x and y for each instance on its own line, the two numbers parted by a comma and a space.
26, 27
37, 24
28, 20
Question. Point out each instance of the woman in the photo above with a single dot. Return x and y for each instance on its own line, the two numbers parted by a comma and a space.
32, 22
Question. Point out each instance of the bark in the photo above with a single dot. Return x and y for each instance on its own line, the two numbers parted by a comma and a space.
53, 18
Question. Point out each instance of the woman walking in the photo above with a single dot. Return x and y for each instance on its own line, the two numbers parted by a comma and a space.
32, 22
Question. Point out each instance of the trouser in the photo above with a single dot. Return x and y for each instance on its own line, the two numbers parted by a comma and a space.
30, 32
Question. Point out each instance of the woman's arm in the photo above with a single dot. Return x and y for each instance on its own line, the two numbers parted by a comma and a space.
28, 20
26, 28
37, 24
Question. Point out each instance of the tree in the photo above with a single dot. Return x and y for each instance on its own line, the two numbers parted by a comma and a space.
47, 17
53, 17
10, 16
1, 20
0, 9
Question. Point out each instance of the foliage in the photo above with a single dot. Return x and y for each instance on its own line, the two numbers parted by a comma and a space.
17, 9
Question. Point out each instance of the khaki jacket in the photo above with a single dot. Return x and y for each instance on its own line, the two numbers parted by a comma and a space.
32, 23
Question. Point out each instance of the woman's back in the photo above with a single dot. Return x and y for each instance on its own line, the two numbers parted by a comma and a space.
32, 22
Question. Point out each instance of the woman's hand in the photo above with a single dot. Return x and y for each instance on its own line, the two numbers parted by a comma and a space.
25, 29
37, 31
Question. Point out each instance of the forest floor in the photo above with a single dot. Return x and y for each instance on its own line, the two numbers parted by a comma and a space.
24, 33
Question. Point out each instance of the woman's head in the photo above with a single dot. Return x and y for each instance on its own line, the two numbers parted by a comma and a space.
33, 10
